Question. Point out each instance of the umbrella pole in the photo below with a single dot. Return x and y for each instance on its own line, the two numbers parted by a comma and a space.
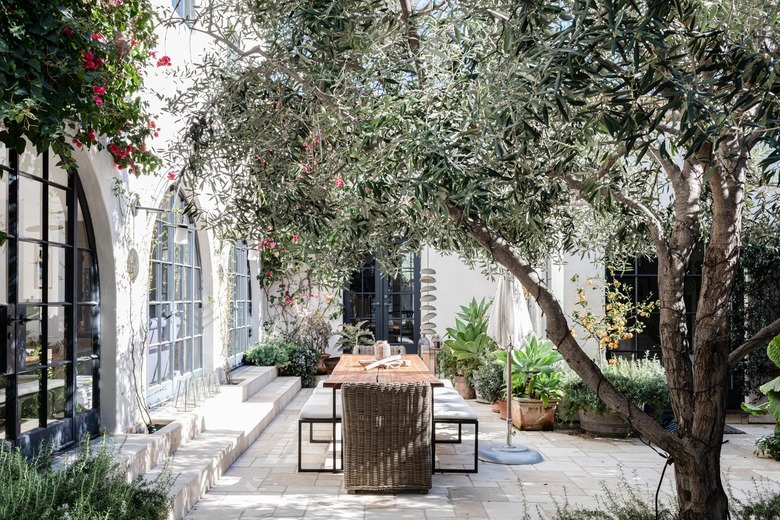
509, 430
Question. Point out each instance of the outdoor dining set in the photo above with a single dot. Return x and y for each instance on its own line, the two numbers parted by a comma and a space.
388, 411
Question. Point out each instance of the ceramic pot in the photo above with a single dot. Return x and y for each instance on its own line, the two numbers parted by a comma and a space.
532, 414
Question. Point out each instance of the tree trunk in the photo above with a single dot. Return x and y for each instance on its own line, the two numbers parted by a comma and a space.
700, 494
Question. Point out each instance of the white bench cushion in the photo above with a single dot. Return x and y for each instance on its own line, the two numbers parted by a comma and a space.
448, 404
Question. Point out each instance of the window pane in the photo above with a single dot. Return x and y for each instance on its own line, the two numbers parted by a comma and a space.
83, 237
3, 198
56, 333
3, 386
85, 343
85, 385
3, 273
30, 272
30, 162
57, 274
29, 388
30, 192
85, 287
57, 215
55, 392
32, 339
56, 173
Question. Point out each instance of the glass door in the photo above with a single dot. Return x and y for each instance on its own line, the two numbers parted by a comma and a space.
390, 306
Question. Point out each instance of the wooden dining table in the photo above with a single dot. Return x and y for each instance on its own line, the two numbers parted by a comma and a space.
350, 370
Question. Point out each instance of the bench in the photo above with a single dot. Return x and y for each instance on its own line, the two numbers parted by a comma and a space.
450, 408
318, 410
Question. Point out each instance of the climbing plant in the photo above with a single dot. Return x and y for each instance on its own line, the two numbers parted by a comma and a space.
71, 76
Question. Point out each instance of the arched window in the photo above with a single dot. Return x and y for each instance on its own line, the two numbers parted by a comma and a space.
240, 303
49, 304
175, 335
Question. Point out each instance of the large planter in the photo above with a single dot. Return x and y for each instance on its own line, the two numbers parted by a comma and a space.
464, 388
502, 409
604, 425
532, 415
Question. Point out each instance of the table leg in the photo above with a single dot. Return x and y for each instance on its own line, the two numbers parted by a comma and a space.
333, 422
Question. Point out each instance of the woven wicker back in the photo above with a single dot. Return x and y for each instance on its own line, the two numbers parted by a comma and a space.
387, 436
368, 350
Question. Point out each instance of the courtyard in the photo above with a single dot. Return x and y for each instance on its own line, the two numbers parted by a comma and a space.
264, 483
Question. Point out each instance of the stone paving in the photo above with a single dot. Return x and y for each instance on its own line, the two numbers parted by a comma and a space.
264, 481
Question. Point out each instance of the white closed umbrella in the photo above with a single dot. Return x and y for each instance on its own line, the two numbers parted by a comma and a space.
509, 324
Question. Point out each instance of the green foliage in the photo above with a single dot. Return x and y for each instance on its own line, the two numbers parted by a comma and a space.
302, 362
769, 445
533, 369
620, 319
490, 380
352, 335
91, 486
468, 342
71, 72
291, 358
623, 502
763, 503
756, 302
642, 381
264, 355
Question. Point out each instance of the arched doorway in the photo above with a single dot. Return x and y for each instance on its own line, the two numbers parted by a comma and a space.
49, 304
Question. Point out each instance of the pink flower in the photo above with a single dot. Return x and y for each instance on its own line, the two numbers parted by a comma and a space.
96, 36
98, 100
268, 273
152, 124
97, 89
92, 137
165, 61
171, 176
338, 181
77, 142
295, 239
67, 32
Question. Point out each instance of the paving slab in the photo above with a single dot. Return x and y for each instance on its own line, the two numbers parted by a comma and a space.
264, 483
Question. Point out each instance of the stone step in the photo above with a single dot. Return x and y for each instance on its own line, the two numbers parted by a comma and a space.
229, 428
141, 452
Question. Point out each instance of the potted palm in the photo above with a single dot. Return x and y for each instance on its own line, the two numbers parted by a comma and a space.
535, 383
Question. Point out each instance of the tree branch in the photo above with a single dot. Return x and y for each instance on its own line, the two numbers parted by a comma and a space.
559, 332
653, 223
761, 338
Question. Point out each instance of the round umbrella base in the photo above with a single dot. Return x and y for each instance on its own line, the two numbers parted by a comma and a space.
513, 455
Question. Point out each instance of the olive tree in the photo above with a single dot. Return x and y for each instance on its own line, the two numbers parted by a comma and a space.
510, 132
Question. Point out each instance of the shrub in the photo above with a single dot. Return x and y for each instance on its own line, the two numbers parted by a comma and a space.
92, 486
291, 358
642, 381
490, 381
261, 354
302, 361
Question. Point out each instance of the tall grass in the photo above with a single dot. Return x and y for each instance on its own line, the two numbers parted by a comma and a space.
90, 487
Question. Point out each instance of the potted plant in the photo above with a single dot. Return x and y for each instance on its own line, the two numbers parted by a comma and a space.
489, 381
769, 444
314, 331
535, 383
352, 335
643, 381
467, 346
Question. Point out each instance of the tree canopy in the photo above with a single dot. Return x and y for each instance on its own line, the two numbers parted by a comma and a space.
509, 132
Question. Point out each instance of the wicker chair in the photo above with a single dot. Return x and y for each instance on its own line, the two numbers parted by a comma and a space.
386, 436
368, 350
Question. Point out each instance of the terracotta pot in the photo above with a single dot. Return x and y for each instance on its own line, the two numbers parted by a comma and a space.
496, 407
532, 415
461, 384
604, 425
502, 409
